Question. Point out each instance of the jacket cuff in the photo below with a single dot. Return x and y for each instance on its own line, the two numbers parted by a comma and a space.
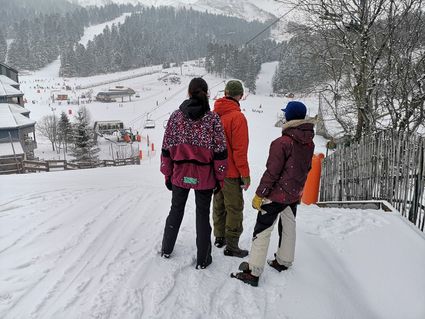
262, 191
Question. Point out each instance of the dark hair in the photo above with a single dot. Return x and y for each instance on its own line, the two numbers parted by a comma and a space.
198, 90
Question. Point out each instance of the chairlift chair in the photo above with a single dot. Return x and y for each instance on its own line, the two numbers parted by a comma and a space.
149, 124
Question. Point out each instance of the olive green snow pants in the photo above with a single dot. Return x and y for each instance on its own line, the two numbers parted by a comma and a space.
228, 210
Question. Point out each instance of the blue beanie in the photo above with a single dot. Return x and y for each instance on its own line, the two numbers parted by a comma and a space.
295, 110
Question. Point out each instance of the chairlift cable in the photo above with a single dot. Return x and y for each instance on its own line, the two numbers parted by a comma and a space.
140, 116
271, 24
246, 43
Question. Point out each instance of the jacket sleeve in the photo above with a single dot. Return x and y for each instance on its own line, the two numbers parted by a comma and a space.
220, 150
240, 141
166, 161
278, 154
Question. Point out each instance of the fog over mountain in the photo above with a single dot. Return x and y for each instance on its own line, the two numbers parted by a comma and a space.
250, 9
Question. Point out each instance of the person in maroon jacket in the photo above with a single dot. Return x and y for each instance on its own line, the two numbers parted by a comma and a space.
279, 193
194, 156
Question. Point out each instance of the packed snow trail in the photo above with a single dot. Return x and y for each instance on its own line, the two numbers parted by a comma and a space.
89, 249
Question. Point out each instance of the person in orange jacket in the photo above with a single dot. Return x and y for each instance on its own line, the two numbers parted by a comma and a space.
228, 203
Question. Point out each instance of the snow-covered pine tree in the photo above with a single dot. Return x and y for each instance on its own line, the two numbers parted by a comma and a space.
68, 62
299, 68
253, 66
37, 46
84, 147
232, 61
19, 49
64, 131
3, 47
209, 60
82, 61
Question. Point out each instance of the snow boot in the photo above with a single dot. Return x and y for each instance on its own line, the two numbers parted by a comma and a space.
244, 266
232, 248
273, 263
220, 242
165, 255
240, 253
204, 264
245, 275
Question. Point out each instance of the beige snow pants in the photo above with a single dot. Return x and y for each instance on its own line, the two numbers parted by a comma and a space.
266, 221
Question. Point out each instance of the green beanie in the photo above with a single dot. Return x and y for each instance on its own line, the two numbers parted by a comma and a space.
233, 88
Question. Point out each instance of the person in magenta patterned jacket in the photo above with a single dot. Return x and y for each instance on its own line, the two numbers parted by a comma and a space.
194, 156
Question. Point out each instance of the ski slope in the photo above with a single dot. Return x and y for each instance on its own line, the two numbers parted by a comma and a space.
84, 244
96, 29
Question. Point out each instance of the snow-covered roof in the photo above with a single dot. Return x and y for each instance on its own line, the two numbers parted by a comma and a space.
16, 108
4, 79
8, 67
8, 90
7, 150
10, 119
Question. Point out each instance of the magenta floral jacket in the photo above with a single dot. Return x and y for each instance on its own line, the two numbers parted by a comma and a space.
194, 152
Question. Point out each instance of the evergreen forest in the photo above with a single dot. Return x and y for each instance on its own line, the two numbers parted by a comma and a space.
40, 36
155, 36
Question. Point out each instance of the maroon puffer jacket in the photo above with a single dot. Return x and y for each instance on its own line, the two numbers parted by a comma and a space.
288, 163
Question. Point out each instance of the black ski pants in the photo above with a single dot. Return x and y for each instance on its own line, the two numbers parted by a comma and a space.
175, 217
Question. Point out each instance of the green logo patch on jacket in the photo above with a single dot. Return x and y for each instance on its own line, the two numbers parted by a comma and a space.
190, 180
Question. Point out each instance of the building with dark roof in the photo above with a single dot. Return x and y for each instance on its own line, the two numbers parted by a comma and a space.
113, 93
17, 130
9, 72
10, 94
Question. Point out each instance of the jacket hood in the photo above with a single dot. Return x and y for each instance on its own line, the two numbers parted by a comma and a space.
301, 131
193, 109
226, 105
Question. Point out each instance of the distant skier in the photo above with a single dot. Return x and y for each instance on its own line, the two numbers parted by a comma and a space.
194, 155
279, 193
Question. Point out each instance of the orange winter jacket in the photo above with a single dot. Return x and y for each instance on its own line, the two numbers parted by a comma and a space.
236, 130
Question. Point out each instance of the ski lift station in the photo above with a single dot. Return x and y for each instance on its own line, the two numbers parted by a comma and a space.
115, 93
59, 96
108, 127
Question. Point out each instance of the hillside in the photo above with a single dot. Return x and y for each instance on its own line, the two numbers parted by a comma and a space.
263, 10
84, 244
250, 9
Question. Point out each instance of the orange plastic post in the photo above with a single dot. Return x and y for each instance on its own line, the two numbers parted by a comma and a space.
153, 147
312, 184
140, 154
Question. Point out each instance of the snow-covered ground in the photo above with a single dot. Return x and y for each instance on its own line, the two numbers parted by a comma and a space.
158, 97
84, 244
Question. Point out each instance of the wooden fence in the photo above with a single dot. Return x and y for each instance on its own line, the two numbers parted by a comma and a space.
11, 165
384, 166
54, 165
